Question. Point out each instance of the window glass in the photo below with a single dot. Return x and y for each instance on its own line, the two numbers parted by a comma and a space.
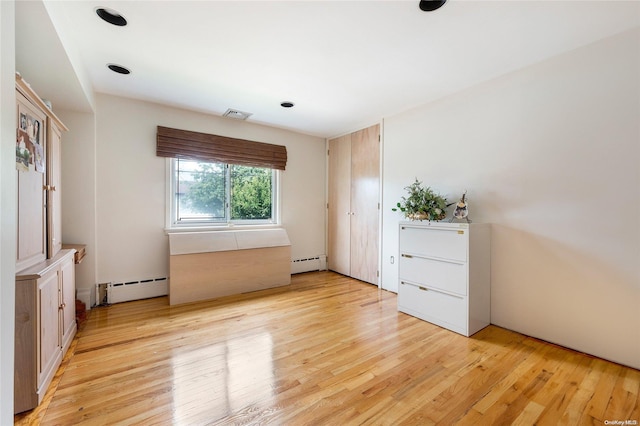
251, 193
219, 193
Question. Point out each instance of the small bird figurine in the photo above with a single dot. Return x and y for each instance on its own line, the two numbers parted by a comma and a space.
462, 210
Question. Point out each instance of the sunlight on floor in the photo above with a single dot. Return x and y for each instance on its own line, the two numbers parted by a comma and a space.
204, 390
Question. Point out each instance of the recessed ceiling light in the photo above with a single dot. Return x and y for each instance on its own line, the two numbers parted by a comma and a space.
287, 104
431, 5
111, 16
118, 68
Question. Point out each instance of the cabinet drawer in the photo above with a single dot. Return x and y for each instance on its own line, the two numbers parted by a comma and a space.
444, 275
430, 305
435, 242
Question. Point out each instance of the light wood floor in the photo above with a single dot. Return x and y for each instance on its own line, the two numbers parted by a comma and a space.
328, 350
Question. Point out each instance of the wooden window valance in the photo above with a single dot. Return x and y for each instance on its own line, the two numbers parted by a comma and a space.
175, 143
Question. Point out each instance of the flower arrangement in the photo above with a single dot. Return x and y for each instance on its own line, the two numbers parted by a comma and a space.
422, 203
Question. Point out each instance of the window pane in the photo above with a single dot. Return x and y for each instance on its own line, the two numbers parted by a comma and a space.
251, 193
218, 193
200, 190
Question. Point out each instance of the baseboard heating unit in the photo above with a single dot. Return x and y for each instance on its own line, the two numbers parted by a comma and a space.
133, 290
208, 265
318, 263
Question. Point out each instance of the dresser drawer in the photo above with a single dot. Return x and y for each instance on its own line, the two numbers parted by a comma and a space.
449, 276
434, 242
431, 305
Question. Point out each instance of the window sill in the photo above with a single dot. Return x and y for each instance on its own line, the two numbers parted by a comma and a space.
230, 240
222, 227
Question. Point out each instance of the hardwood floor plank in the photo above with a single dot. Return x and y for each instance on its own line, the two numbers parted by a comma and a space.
602, 390
529, 414
562, 389
326, 350
621, 401
509, 382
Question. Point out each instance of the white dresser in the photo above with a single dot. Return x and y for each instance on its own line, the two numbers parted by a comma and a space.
445, 274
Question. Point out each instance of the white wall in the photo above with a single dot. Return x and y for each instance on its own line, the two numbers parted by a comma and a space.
130, 185
79, 195
551, 156
7, 208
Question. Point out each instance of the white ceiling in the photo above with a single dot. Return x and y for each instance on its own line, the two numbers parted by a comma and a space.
345, 64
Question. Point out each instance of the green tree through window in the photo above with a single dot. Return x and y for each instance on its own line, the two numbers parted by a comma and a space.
251, 192
218, 192
206, 190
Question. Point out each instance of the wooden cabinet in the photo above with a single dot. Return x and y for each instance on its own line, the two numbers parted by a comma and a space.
45, 326
445, 274
38, 168
32, 180
353, 208
45, 277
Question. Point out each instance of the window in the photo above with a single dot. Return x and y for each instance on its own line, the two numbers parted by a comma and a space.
209, 193
216, 180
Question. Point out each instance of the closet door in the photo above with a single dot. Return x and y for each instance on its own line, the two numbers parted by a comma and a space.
365, 195
339, 209
353, 211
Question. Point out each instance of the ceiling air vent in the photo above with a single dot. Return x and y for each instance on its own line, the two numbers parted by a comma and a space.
235, 114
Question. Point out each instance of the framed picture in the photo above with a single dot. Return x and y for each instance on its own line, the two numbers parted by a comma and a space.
23, 153
29, 143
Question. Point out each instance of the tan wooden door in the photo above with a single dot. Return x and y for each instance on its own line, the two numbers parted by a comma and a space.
365, 195
54, 194
49, 338
339, 209
68, 296
31, 177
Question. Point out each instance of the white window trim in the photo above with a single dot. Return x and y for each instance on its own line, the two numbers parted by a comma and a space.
171, 226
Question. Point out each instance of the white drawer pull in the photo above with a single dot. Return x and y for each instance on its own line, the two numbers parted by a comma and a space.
419, 286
